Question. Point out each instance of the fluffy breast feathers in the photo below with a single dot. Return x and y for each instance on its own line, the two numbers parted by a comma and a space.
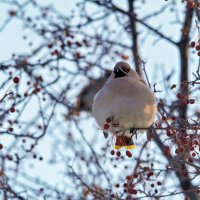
128, 101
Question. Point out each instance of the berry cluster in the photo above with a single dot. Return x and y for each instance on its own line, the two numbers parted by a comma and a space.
192, 4
106, 125
184, 99
196, 45
118, 153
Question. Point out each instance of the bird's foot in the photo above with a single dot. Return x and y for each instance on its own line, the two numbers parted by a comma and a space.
134, 131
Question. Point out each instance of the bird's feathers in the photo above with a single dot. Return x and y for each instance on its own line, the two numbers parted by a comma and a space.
120, 98
127, 101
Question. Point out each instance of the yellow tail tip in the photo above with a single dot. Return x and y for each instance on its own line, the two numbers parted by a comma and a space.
117, 147
128, 147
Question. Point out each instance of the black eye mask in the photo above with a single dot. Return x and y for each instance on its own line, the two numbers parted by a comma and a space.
119, 72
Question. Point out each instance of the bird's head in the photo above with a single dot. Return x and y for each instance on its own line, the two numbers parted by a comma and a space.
121, 69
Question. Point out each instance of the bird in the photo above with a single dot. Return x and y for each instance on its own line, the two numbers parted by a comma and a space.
85, 98
124, 104
86, 95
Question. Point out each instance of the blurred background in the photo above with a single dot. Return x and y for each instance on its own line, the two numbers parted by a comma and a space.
55, 56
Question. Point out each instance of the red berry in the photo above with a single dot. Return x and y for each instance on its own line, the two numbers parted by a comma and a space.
192, 44
132, 191
179, 95
129, 154
125, 185
10, 129
173, 118
152, 185
135, 175
78, 55
112, 196
192, 101
159, 183
50, 46
56, 52
198, 53
167, 148
1, 146
168, 133
112, 152
180, 149
69, 43
164, 118
173, 86
191, 4
193, 154
9, 157
16, 80
12, 13
149, 174
78, 44
106, 126
12, 109
118, 153
198, 47
174, 132
129, 178
190, 160
124, 57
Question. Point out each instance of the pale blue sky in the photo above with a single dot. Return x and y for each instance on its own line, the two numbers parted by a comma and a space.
161, 57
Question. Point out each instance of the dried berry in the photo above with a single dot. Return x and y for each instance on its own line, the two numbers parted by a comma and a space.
159, 183
106, 126
10, 129
118, 153
191, 101
173, 86
12, 109
112, 152
198, 47
129, 154
192, 44
164, 118
173, 118
16, 80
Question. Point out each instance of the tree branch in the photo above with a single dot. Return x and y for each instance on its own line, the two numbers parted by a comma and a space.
134, 34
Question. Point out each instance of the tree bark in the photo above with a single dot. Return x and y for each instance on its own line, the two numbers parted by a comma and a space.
134, 35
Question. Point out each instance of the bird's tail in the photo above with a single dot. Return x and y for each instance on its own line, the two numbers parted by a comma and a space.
124, 141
